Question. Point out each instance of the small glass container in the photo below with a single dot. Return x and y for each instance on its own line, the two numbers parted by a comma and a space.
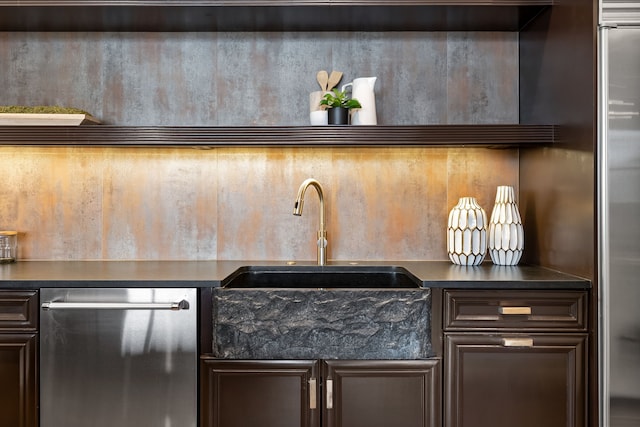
8, 246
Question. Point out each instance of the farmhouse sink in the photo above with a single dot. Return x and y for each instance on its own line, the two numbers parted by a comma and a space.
325, 312
328, 277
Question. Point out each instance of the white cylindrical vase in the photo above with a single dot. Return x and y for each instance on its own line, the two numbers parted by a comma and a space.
506, 233
467, 232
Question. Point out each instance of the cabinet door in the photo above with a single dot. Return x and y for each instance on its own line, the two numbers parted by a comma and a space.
515, 380
265, 393
18, 386
377, 393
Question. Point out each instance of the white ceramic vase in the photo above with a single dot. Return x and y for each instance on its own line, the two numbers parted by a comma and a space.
467, 232
506, 233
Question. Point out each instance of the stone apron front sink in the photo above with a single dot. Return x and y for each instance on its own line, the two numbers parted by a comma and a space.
322, 312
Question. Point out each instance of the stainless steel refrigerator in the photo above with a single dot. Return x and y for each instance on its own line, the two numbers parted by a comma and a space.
619, 213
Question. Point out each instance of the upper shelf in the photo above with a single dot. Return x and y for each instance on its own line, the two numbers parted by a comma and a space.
303, 136
269, 15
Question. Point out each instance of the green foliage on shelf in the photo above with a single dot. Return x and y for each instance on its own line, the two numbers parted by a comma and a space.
40, 109
339, 98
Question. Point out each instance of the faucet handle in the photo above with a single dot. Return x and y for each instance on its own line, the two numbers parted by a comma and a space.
322, 247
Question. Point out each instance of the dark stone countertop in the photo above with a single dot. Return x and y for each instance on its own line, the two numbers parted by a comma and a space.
437, 274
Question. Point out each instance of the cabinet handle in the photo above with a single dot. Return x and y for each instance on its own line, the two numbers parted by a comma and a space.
517, 342
329, 386
312, 394
514, 310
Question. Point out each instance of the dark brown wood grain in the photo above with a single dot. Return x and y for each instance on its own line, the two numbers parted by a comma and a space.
18, 358
437, 135
262, 15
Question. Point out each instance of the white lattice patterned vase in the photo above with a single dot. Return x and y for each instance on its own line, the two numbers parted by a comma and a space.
467, 232
506, 233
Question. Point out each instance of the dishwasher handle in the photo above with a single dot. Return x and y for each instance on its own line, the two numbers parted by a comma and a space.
59, 305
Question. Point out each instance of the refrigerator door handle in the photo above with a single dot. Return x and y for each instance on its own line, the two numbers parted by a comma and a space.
55, 305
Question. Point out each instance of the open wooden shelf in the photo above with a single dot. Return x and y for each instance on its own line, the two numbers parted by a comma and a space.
269, 15
278, 136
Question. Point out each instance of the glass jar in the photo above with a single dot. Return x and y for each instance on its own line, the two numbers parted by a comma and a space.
8, 246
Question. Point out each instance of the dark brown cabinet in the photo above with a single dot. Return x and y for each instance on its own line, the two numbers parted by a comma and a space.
366, 393
18, 364
515, 358
281, 393
265, 393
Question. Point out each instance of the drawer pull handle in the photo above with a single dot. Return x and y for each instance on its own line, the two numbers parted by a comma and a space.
517, 342
514, 310
312, 394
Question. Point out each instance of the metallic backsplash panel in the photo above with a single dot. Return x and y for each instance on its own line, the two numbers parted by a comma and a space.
234, 203
245, 78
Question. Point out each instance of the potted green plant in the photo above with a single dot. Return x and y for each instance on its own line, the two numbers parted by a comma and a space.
339, 105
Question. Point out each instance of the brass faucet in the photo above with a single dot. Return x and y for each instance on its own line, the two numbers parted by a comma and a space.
322, 231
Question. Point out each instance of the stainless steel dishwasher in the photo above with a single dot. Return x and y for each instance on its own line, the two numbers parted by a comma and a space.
118, 357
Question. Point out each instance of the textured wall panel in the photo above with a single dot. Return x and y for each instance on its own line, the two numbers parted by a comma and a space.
234, 203
261, 78
159, 205
54, 199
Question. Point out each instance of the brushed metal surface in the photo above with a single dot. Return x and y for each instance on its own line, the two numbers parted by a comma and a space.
517, 342
514, 310
620, 12
313, 401
115, 305
115, 367
620, 209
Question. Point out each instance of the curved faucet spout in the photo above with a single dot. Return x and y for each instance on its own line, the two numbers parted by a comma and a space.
297, 210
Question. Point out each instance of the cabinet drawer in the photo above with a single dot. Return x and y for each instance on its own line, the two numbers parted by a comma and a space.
18, 310
518, 309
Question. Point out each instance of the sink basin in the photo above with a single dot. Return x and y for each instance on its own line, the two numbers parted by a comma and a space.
329, 277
